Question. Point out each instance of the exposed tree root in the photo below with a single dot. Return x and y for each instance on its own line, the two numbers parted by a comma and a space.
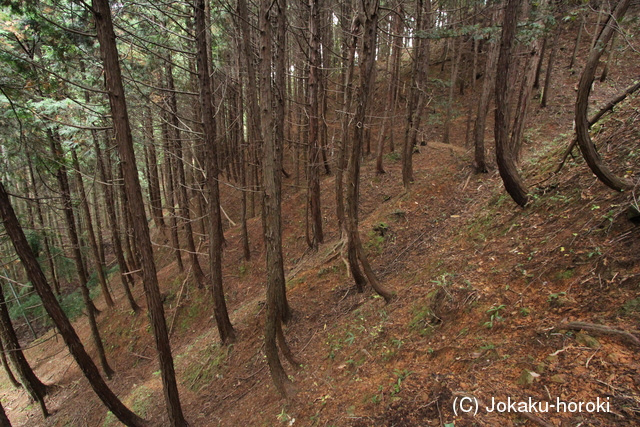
599, 329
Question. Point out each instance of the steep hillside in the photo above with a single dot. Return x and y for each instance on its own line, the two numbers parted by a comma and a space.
488, 300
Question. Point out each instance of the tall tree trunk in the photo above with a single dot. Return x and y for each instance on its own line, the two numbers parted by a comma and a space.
350, 38
130, 245
183, 199
47, 246
577, 45
246, 250
154, 180
169, 187
51, 305
483, 103
107, 189
313, 167
5, 364
452, 87
605, 69
36, 389
225, 329
65, 192
550, 65
536, 80
97, 215
277, 309
473, 79
367, 64
506, 164
115, 89
4, 421
84, 201
591, 156
388, 123
417, 95
531, 68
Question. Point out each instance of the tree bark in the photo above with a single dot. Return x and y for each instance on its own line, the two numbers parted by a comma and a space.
47, 246
225, 329
367, 64
154, 180
506, 164
36, 389
92, 311
550, 65
107, 188
5, 365
577, 45
51, 305
170, 188
488, 86
452, 86
92, 238
277, 309
417, 95
115, 89
183, 199
4, 421
392, 91
349, 51
313, 166
587, 147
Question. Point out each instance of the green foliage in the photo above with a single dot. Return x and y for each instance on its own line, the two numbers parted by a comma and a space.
208, 365
630, 307
557, 299
401, 375
393, 156
494, 315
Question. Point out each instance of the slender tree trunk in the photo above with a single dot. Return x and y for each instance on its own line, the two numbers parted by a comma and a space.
246, 250
313, 167
350, 42
154, 179
591, 156
97, 215
526, 89
277, 309
5, 364
605, 69
577, 45
169, 188
51, 305
367, 64
483, 103
130, 243
47, 246
65, 192
4, 421
113, 226
474, 72
92, 239
452, 87
417, 96
388, 123
36, 389
536, 80
183, 199
109, 53
550, 65
506, 164
225, 329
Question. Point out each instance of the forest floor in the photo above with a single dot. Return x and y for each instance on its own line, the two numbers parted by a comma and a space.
483, 294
